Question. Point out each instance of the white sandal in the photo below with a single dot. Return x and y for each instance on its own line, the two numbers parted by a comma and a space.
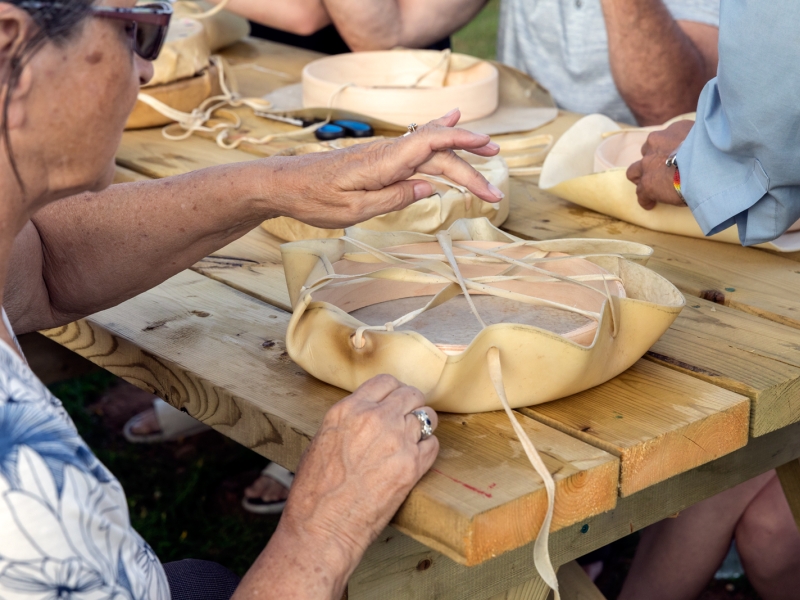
272, 507
173, 425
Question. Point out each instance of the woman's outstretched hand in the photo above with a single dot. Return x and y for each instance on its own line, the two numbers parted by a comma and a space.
361, 465
345, 187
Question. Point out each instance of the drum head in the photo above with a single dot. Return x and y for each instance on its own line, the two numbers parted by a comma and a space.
452, 326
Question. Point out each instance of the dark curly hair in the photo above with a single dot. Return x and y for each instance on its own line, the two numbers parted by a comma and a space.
56, 22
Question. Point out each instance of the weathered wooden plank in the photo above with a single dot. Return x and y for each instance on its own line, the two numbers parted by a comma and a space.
740, 352
659, 422
748, 279
148, 152
399, 567
702, 349
123, 175
220, 355
482, 498
215, 352
251, 264
726, 347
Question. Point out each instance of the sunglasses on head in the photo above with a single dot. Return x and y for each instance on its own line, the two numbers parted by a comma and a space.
150, 23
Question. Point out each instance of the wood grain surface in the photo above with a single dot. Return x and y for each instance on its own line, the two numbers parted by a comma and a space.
659, 422
751, 280
740, 327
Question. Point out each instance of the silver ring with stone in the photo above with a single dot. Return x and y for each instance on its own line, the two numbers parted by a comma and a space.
425, 425
412, 128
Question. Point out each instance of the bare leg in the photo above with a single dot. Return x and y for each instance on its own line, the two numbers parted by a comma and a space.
677, 557
769, 544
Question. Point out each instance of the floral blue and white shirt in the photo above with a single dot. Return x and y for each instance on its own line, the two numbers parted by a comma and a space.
64, 526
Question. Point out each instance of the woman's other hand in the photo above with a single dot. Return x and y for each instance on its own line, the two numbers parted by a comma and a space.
361, 465
345, 187
652, 177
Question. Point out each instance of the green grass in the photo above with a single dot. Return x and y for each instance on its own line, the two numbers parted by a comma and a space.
479, 36
184, 497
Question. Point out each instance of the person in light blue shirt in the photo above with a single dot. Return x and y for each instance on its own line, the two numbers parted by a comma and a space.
740, 162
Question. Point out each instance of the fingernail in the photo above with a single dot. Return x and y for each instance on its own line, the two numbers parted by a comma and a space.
493, 146
422, 189
496, 191
451, 113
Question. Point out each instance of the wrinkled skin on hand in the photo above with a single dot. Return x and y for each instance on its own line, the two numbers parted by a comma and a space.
344, 187
652, 177
361, 465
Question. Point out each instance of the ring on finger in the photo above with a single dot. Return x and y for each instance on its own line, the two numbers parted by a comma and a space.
425, 425
412, 127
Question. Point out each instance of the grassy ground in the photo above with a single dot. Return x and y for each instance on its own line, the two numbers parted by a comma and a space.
479, 36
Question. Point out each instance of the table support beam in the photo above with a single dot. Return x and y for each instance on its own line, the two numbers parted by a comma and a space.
789, 475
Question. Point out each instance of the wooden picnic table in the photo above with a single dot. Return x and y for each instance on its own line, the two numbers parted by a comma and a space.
714, 403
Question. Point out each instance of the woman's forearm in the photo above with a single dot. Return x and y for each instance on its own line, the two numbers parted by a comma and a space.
298, 566
659, 65
92, 251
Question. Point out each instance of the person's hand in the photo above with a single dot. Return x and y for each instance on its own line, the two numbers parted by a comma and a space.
652, 177
341, 188
361, 465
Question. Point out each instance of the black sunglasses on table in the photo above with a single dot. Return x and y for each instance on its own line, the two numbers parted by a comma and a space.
150, 23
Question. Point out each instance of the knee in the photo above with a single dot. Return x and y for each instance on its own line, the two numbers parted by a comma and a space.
764, 539
758, 529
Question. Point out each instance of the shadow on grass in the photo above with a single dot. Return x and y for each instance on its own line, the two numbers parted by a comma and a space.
184, 497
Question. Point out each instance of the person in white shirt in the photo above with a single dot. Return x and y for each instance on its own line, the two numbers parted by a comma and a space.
642, 61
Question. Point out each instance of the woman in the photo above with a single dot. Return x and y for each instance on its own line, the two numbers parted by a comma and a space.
70, 72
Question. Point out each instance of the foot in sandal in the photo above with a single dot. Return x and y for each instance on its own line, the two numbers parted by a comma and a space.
162, 423
267, 494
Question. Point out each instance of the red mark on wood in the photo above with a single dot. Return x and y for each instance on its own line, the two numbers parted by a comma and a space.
466, 485
494, 485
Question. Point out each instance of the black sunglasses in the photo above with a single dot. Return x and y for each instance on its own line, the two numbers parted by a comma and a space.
150, 23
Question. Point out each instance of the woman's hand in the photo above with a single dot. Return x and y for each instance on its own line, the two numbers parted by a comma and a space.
361, 465
652, 177
345, 187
